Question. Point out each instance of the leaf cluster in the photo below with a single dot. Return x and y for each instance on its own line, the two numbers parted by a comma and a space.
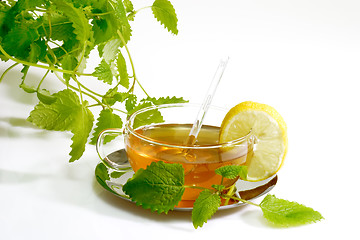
160, 186
58, 36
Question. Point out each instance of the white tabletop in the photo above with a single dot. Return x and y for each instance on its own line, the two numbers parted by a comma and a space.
301, 57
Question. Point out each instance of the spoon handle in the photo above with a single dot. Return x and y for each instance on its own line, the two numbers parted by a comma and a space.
206, 103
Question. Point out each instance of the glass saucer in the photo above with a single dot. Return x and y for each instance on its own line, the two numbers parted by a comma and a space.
113, 181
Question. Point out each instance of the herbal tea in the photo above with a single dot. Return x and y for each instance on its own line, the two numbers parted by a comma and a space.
199, 162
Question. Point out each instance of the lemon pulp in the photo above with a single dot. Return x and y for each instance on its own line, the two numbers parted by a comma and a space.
270, 133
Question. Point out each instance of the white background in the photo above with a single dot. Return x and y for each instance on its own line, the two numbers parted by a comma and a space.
301, 57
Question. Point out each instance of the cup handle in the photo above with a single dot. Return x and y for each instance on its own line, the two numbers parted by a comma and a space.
116, 160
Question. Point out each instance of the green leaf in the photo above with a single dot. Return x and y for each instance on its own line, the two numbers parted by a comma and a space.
112, 96
23, 5
61, 28
21, 36
103, 29
218, 187
164, 12
232, 171
163, 100
82, 28
110, 50
103, 72
102, 172
128, 5
130, 103
107, 119
58, 116
117, 174
27, 88
35, 52
81, 129
45, 97
152, 116
147, 117
285, 213
68, 62
121, 65
65, 114
102, 175
23, 85
159, 187
204, 207
122, 22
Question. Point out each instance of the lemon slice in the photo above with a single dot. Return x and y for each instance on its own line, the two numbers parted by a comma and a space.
269, 131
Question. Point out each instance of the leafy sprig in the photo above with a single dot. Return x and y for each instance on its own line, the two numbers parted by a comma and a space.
58, 36
160, 186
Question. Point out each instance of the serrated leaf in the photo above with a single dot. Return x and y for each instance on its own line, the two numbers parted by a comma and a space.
65, 114
103, 29
26, 88
121, 66
102, 172
122, 22
21, 36
45, 97
82, 125
23, 85
232, 171
68, 62
58, 116
204, 207
103, 72
164, 12
159, 187
80, 23
112, 96
107, 119
147, 117
35, 52
130, 103
218, 187
102, 175
22, 5
163, 100
284, 213
61, 28
110, 50
128, 5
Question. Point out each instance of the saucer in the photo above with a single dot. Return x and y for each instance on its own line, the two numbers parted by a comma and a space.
113, 182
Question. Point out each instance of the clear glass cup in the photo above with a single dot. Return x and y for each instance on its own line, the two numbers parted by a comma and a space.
160, 133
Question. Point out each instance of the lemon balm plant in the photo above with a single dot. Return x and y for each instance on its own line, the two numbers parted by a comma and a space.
58, 36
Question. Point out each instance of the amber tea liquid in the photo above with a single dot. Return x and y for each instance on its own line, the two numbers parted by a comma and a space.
199, 163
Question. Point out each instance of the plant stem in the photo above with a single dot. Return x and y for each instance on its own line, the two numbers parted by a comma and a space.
140, 9
94, 105
86, 88
101, 14
240, 199
42, 66
119, 110
132, 65
82, 56
7, 70
42, 79
76, 89
79, 88
230, 192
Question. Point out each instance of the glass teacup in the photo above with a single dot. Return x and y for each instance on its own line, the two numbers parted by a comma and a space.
160, 133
